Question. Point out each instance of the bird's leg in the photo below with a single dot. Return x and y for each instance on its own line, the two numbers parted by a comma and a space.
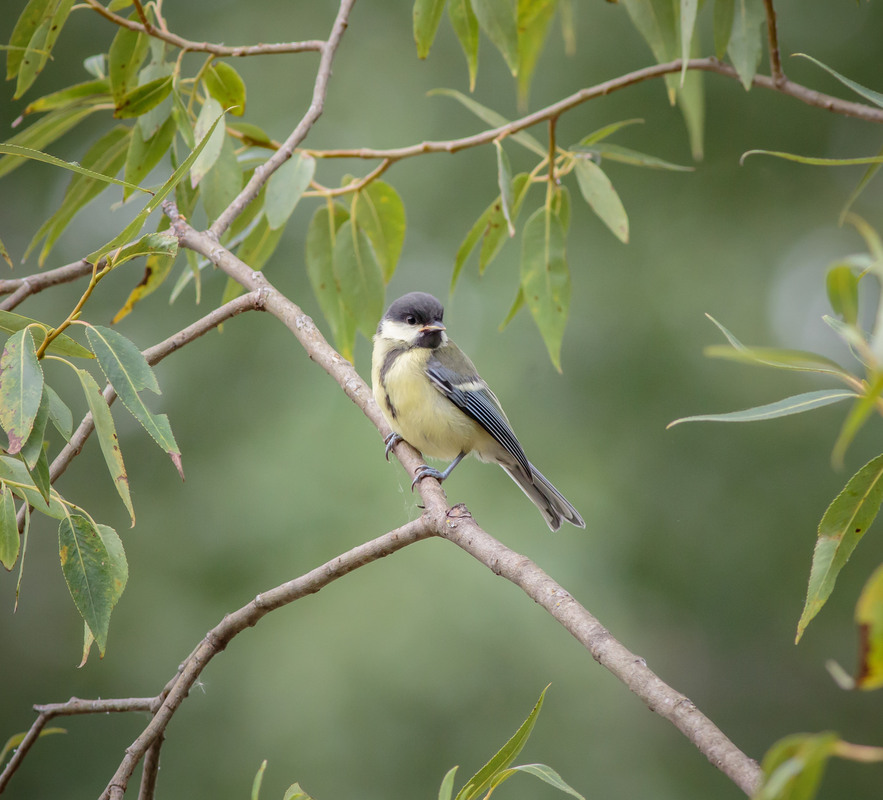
426, 471
391, 441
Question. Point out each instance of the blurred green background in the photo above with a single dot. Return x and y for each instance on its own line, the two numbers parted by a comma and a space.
698, 540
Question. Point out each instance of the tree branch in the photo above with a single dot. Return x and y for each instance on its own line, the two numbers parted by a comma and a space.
312, 45
20, 289
778, 77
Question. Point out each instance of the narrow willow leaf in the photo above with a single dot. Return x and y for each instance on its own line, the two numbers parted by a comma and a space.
465, 25
33, 447
40, 474
494, 119
59, 414
258, 780
136, 224
105, 157
691, 102
259, 245
250, 134
225, 84
294, 792
813, 161
517, 305
746, 41
724, 14
626, 155
504, 181
90, 572
154, 118
446, 790
498, 19
794, 766
689, 9
544, 773
320, 254
223, 182
359, 277
42, 133
34, 59
796, 404
208, 116
482, 780
286, 186
107, 439
21, 387
14, 472
61, 345
156, 269
97, 90
568, 26
841, 529
4, 254
869, 94
10, 539
127, 50
380, 213
143, 155
151, 244
427, 15
14, 741
856, 418
144, 98
34, 12
870, 172
869, 618
599, 193
606, 131
545, 278
128, 372
656, 22
841, 283
534, 17
799, 360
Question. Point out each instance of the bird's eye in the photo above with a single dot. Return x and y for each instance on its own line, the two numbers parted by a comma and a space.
411, 319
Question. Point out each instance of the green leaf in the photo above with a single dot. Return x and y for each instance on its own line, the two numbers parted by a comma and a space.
517, 305
380, 213
793, 767
153, 119
657, 23
286, 186
260, 244
869, 618
626, 155
32, 15
15, 473
599, 193
143, 98
128, 372
483, 779
33, 447
225, 84
41, 44
605, 132
855, 419
544, 773
96, 91
105, 157
40, 474
841, 283
4, 254
59, 414
359, 277
545, 278
493, 119
534, 17
219, 187
258, 780
504, 181
92, 571
294, 792
427, 15
746, 40
322, 271
156, 269
208, 117
813, 161
14, 741
724, 14
10, 539
127, 50
107, 439
796, 404
142, 156
691, 101
842, 527
21, 387
465, 25
498, 19
869, 94
42, 133
151, 244
251, 134
446, 790
689, 9
61, 345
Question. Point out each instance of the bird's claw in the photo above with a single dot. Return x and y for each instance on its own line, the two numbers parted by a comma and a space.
391, 441
426, 471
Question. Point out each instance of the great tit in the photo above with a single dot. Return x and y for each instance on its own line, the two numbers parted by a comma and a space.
433, 398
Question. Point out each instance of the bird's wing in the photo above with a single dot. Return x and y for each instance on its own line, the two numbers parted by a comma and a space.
471, 394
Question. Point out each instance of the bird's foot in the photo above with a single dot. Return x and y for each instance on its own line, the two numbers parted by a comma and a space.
391, 441
426, 471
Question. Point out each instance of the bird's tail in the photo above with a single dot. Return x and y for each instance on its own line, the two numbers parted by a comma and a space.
551, 503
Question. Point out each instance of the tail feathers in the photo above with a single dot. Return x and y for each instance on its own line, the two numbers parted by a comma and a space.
551, 503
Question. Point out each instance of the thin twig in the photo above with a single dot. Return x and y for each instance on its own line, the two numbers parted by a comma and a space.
20, 289
311, 45
776, 73
317, 105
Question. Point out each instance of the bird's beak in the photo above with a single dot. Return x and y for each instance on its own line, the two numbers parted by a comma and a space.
433, 326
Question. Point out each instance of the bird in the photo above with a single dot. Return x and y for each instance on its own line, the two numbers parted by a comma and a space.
433, 398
